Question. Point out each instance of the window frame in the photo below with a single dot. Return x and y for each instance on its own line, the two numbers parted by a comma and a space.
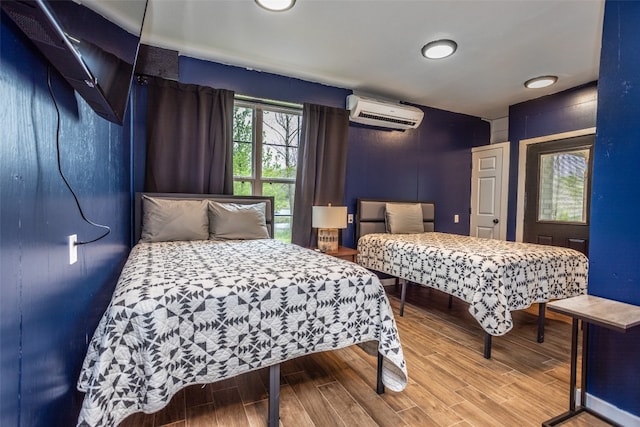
257, 180
587, 177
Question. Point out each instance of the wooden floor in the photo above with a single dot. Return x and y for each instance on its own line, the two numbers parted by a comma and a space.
450, 383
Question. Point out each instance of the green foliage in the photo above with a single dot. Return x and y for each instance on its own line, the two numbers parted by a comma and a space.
242, 141
242, 188
283, 194
280, 140
570, 207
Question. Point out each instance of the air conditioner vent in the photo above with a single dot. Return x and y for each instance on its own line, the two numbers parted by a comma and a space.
387, 119
383, 113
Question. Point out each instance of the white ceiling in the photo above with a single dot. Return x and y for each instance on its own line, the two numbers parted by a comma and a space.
373, 46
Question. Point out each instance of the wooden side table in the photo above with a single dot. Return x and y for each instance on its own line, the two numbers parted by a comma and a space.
614, 315
344, 253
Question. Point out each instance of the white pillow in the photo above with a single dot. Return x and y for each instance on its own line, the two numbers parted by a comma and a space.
168, 220
237, 221
404, 218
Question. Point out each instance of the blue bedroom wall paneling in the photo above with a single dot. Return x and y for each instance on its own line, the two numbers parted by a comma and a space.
614, 271
566, 111
430, 163
381, 164
49, 309
259, 84
445, 156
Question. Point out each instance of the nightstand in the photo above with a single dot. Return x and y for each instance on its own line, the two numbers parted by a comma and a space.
344, 253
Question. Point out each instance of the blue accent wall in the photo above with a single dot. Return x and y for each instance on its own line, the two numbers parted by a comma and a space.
48, 308
614, 270
432, 162
613, 106
566, 111
259, 84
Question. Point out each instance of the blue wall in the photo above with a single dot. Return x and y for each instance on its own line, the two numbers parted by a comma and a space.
566, 111
431, 163
614, 270
49, 309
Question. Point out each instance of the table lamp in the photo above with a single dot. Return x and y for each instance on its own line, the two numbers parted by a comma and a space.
328, 219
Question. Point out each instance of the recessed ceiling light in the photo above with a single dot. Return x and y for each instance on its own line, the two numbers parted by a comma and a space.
540, 82
276, 5
439, 49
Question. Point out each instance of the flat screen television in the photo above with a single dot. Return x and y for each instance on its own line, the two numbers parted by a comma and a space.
93, 45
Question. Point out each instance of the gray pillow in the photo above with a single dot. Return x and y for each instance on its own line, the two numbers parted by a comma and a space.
166, 220
237, 221
404, 218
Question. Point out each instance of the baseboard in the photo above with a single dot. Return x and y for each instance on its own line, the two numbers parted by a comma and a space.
606, 409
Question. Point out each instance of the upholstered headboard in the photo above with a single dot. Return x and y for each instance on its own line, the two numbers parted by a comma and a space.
370, 216
218, 198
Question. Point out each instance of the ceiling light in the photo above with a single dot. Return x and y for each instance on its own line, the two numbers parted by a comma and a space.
439, 49
276, 5
539, 82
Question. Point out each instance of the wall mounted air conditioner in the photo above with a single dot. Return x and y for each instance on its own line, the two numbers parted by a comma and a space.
386, 114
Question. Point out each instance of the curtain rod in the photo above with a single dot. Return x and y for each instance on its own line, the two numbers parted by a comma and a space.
268, 101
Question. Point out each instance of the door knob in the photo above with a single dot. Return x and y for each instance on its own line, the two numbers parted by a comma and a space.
496, 220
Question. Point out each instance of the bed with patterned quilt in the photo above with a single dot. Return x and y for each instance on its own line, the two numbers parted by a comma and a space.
192, 310
494, 277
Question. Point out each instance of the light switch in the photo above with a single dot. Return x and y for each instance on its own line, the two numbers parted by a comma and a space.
350, 218
73, 248
456, 218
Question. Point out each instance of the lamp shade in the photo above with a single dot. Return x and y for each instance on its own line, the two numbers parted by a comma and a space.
329, 217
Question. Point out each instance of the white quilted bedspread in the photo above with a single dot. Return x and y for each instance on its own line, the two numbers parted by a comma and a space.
197, 312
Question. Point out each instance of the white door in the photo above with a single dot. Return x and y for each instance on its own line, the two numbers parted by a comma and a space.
489, 180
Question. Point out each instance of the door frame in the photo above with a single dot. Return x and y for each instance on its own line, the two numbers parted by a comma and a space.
504, 190
522, 169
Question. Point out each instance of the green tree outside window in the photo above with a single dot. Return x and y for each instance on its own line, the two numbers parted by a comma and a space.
265, 155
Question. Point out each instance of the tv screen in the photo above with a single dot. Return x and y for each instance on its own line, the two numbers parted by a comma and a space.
94, 45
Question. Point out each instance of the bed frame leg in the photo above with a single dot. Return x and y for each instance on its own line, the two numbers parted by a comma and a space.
450, 301
379, 385
541, 314
274, 395
403, 296
487, 345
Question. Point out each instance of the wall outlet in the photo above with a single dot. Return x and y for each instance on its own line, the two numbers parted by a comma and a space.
350, 218
73, 248
456, 218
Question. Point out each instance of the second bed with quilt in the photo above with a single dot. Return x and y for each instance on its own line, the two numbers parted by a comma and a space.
494, 277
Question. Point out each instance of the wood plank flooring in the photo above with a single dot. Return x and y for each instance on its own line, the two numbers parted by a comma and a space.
450, 383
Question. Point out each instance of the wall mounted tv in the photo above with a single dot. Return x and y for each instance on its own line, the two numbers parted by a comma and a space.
94, 45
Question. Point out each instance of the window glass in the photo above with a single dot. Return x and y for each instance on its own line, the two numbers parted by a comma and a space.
280, 144
265, 156
283, 206
242, 188
563, 178
242, 142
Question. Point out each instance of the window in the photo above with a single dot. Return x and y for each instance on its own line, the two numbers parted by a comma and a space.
265, 155
563, 178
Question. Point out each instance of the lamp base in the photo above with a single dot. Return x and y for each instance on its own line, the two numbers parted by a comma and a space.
328, 240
